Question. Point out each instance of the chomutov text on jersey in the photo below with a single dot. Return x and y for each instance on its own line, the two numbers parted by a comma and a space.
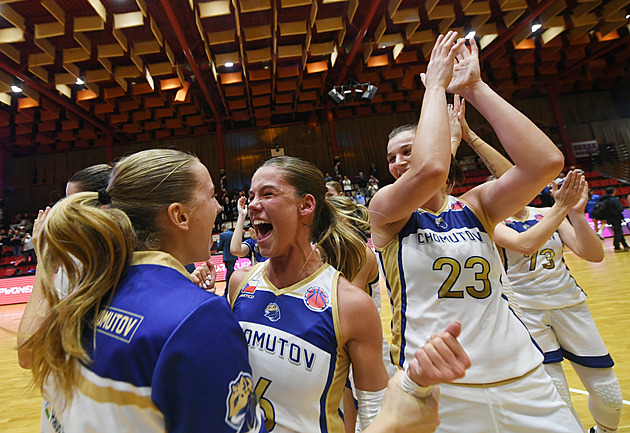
453, 237
281, 347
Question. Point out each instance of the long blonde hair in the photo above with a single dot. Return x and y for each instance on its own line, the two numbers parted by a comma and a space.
334, 235
94, 246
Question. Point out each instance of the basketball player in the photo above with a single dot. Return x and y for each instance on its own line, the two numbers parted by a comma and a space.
440, 262
368, 279
128, 348
303, 321
553, 306
92, 178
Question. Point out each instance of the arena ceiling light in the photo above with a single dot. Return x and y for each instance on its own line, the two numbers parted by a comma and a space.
353, 91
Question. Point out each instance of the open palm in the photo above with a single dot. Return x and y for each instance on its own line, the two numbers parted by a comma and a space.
466, 71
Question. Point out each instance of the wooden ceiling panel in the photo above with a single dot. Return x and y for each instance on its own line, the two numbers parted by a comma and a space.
286, 56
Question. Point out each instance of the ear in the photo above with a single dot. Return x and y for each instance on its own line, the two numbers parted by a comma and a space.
308, 205
178, 215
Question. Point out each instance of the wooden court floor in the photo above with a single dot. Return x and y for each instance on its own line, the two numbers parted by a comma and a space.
606, 284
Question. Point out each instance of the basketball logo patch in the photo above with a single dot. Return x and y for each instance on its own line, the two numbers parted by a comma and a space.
458, 205
316, 299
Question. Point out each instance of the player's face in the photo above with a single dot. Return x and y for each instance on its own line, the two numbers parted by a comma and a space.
332, 192
399, 152
273, 211
204, 213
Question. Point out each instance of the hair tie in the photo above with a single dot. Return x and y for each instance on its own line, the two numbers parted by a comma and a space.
104, 197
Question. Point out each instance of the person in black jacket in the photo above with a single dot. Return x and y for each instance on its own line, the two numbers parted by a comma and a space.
614, 218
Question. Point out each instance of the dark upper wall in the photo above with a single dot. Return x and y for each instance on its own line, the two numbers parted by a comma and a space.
35, 181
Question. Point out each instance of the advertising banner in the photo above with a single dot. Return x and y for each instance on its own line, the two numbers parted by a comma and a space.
17, 290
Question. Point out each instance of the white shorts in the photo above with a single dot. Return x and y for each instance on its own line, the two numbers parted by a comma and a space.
528, 404
569, 333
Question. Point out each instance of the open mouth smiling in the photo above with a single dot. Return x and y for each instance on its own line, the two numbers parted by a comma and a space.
263, 228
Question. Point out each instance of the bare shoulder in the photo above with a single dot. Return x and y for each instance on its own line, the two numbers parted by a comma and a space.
237, 278
353, 303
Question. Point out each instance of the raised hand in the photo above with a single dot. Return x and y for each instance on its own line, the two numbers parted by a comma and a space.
38, 225
440, 68
441, 360
242, 207
571, 191
466, 72
455, 127
459, 104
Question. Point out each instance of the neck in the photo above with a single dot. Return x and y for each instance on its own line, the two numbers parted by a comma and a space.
435, 203
294, 267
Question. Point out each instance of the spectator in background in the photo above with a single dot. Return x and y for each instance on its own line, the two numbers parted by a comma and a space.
614, 218
372, 187
15, 242
362, 182
347, 186
334, 188
328, 177
374, 171
598, 225
29, 249
229, 259
226, 209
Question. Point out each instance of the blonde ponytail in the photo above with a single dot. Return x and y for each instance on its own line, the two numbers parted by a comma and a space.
94, 247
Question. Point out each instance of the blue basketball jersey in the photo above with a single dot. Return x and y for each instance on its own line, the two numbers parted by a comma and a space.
296, 350
168, 357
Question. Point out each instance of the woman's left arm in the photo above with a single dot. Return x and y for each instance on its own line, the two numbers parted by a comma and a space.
363, 339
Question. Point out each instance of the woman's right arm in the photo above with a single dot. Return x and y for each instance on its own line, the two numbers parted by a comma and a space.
37, 306
236, 245
430, 157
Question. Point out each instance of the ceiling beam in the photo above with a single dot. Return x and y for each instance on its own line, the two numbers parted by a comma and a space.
358, 41
514, 29
51, 95
168, 9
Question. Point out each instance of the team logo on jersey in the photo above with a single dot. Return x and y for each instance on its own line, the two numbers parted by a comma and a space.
272, 312
316, 299
538, 217
439, 221
52, 418
458, 205
242, 404
250, 287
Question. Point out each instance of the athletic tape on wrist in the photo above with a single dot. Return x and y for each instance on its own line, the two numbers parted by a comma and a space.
411, 387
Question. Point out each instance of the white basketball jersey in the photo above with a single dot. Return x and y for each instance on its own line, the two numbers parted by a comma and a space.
444, 267
541, 280
296, 350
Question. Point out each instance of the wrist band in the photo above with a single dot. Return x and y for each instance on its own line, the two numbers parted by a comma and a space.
412, 388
